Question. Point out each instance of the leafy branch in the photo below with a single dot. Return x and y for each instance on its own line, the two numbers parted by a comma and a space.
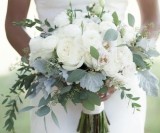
125, 93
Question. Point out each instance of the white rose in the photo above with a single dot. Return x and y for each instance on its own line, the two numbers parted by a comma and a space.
92, 26
42, 47
147, 44
129, 34
91, 38
111, 68
124, 56
70, 30
61, 19
70, 53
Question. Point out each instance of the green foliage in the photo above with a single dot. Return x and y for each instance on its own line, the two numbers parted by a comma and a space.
110, 35
76, 75
138, 60
54, 118
125, 93
131, 19
26, 108
90, 99
44, 101
42, 111
94, 52
116, 19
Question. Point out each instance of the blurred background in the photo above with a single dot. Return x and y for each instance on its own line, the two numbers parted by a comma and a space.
8, 59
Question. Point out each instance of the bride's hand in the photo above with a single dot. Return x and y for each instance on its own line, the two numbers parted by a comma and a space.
105, 96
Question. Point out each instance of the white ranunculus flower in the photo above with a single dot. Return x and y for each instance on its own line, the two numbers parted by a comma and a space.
97, 64
91, 38
88, 59
70, 53
124, 56
92, 26
70, 30
107, 17
42, 47
147, 44
61, 19
129, 34
111, 68
130, 70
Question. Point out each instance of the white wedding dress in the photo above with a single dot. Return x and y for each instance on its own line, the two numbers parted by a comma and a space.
120, 114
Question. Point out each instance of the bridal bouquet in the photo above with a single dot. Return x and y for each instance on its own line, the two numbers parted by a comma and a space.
77, 57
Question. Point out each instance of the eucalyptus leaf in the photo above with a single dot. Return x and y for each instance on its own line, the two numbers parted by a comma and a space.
103, 90
65, 89
44, 101
116, 19
136, 105
44, 110
136, 98
45, 125
122, 94
38, 21
94, 52
54, 118
131, 19
139, 61
94, 98
92, 81
76, 75
83, 95
88, 105
47, 23
110, 35
26, 108
39, 28
149, 82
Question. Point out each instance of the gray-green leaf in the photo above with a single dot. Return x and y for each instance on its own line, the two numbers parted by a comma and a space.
26, 108
94, 52
88, 105
43, 111
115, 19
139, 61
152, 53
149, 82
54, 118
110, 35
76, 75
131, 19
92, 81
65, 89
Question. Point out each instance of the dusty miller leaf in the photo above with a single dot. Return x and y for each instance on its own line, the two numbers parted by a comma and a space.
92, 81
149, 82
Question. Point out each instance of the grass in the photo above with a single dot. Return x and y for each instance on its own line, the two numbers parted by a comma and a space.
23, 125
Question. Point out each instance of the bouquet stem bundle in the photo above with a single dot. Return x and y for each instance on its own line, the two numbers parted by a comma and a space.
93, 123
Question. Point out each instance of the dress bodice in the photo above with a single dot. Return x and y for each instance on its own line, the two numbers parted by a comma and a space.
49, 8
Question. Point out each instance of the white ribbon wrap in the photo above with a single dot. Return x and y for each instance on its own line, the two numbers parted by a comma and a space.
97, 110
